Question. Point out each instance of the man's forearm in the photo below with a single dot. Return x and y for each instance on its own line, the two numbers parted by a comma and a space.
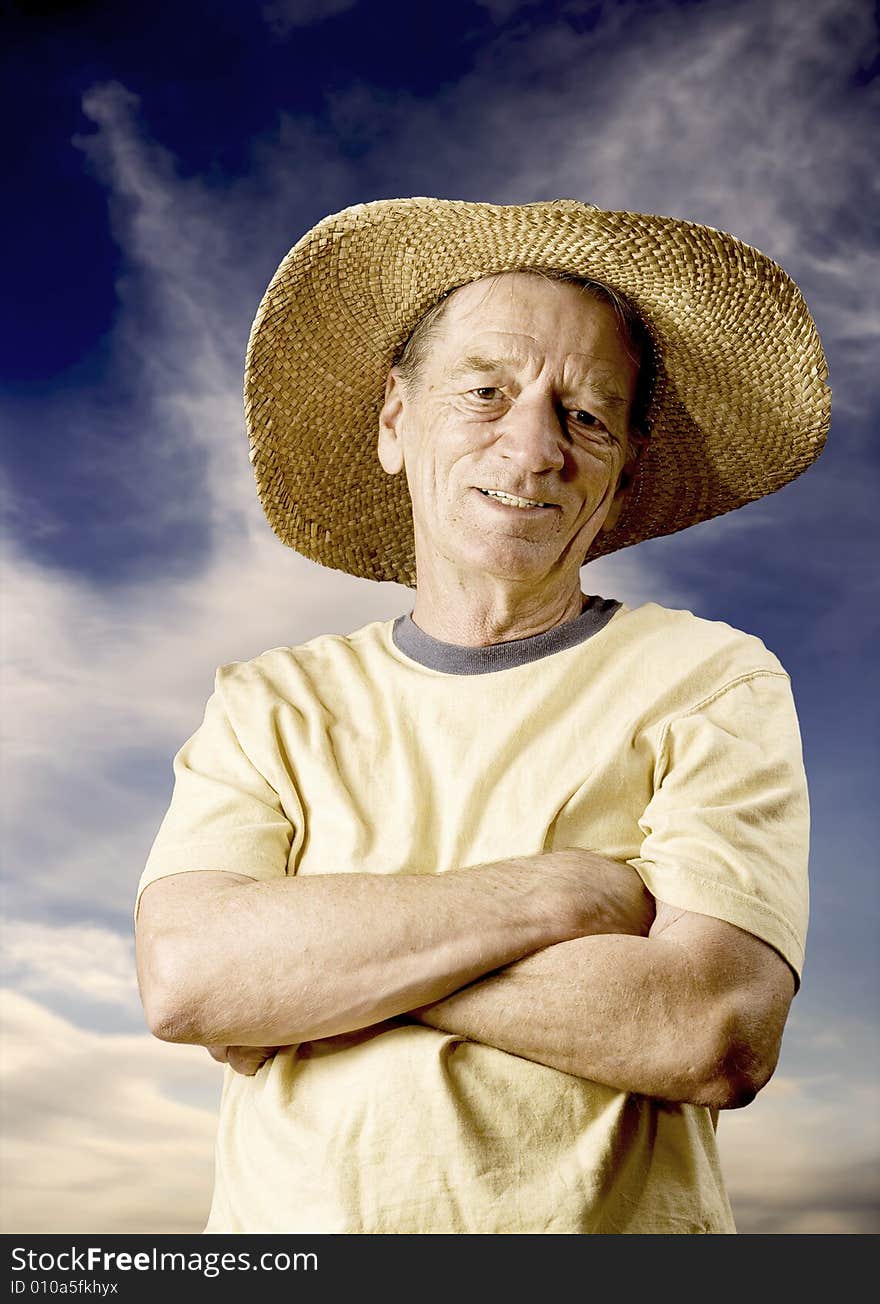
240, 962
693, 1015
597, 1007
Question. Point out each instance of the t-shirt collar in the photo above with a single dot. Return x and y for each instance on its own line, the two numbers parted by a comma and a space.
456, 659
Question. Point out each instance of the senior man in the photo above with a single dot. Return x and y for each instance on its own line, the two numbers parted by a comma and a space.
491, 908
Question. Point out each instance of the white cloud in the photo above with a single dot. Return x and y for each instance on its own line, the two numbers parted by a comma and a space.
99, 1134
805, 1157
91, 962
136, 670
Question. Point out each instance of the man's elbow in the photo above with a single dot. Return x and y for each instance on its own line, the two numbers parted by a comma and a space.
169, 1019
730, 1088
166, 993
743, 1062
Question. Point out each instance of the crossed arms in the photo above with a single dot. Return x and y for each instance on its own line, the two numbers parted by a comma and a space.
563, 958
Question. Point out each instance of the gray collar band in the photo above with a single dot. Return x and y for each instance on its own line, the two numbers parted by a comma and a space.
455, 659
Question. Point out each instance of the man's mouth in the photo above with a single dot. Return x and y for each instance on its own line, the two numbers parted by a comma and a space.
514, 500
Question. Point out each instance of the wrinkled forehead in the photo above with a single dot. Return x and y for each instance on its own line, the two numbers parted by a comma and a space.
532, 314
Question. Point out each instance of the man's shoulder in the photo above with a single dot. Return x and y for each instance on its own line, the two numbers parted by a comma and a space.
678, 638
280, 668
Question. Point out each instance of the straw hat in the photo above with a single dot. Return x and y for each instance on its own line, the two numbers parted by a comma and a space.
740, 405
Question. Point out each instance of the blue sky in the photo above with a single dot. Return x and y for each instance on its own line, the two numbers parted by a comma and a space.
165, 158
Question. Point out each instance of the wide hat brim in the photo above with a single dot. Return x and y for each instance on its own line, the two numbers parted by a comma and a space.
740, 405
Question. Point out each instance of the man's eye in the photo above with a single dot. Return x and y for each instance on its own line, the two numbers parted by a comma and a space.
486, 392
584, 418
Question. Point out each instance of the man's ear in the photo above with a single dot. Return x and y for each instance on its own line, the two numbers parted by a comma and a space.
390, 445
635, 448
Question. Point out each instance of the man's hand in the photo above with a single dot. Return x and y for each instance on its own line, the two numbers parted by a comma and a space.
596, 894
244, 1059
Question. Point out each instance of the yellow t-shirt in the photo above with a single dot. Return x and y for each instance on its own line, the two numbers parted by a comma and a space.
649, 735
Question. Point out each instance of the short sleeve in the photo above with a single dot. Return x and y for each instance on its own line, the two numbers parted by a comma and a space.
224, 815
727, 829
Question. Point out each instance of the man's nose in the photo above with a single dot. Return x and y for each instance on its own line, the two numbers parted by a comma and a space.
533, 435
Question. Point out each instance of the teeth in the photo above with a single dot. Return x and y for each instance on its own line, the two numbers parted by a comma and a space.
512, 499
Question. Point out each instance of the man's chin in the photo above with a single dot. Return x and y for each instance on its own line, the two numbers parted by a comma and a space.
513, 560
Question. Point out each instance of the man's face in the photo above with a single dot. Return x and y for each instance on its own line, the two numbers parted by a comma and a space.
513, 435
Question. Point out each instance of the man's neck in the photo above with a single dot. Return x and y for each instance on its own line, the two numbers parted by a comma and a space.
479, 614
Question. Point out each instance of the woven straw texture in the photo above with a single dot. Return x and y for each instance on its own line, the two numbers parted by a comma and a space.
740, 406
